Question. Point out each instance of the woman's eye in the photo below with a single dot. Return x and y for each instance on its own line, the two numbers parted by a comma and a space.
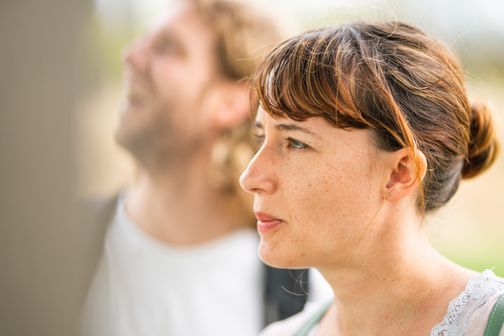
296, 144
259, 139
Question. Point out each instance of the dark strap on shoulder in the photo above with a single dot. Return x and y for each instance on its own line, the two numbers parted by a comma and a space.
496, 318
313, 321
285, 293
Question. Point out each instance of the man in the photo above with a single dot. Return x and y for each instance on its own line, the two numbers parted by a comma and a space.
180, 255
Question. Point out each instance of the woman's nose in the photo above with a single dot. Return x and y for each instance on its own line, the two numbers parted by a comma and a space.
259, 177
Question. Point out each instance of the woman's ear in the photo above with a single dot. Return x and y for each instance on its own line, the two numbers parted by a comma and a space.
406, 172
232, 105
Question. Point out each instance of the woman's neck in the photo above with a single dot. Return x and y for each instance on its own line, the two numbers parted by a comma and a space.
401, 287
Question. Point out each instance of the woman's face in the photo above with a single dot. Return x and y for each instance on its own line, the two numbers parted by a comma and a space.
317, 190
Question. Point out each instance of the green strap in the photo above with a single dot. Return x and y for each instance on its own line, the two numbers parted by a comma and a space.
313, 321
496, 318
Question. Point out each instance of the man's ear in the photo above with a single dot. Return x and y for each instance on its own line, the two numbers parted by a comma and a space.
232, 105
407, 170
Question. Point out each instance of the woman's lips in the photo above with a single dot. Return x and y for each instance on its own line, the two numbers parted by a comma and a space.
266, 222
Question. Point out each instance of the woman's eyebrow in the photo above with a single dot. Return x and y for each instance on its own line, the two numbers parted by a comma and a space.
293, 127
287, 127
258, 124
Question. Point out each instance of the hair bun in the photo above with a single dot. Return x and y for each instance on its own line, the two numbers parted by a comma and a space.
483, 145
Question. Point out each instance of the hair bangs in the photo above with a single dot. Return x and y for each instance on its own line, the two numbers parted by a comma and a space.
304, 77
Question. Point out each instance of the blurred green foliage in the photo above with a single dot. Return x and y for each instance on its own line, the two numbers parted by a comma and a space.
477, 259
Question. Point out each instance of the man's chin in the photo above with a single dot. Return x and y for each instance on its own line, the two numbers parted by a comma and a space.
138, 136
133, 121
121, 136
129, 130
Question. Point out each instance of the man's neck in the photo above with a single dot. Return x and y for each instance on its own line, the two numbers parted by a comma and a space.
179, 206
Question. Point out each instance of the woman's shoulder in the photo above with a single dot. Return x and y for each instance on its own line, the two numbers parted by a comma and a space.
468, 313
478, 320
293, 324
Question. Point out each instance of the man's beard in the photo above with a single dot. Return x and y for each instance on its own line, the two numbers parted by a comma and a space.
158, 143
143, 144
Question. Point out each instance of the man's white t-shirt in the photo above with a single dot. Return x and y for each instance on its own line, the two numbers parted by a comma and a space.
144, 287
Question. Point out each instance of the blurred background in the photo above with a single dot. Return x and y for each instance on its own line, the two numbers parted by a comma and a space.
470, 230
59, 98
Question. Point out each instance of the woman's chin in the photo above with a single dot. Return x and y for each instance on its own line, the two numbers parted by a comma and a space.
277, 257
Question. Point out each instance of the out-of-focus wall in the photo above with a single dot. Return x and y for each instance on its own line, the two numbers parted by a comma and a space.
41, 279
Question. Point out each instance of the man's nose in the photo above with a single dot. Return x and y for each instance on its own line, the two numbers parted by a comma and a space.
136, 54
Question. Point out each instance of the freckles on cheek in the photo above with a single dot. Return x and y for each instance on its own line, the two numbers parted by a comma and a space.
331, 198
309, 204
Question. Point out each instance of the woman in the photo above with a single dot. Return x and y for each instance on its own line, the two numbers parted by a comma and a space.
365, 129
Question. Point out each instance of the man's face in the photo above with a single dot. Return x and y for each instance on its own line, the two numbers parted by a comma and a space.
169, 74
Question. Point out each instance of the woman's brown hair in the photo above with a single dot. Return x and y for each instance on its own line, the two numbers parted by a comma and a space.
394, 80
